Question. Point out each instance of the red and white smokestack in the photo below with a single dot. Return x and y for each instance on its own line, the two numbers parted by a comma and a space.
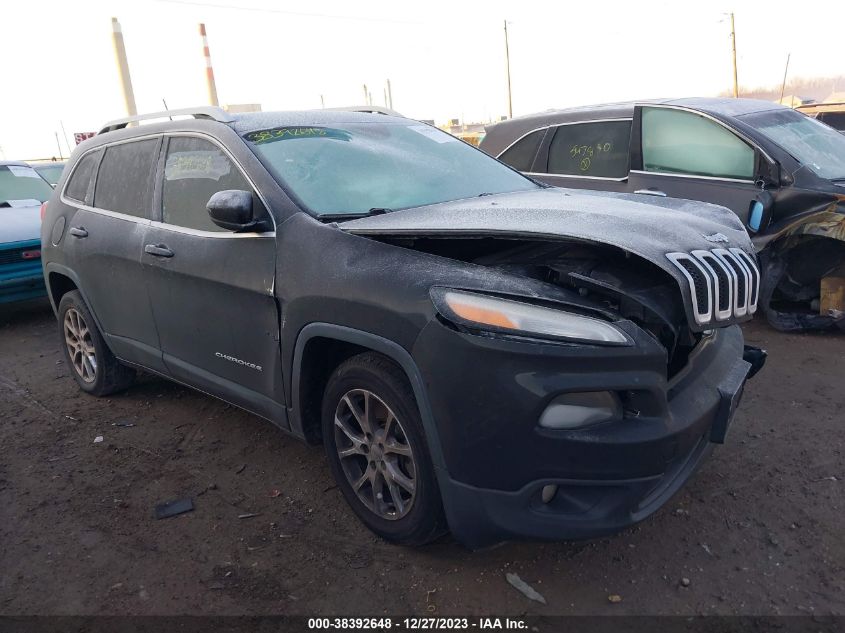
209, 71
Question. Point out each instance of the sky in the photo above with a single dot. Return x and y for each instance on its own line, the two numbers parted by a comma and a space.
445, 59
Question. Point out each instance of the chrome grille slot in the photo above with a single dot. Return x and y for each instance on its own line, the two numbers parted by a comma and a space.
754, 277
724, 284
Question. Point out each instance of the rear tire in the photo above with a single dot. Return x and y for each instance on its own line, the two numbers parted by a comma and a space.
378, 453
92, 365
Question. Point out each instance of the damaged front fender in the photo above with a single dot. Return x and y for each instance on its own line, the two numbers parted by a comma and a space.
798, 260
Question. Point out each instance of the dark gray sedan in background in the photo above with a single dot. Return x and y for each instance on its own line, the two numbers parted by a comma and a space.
780, 171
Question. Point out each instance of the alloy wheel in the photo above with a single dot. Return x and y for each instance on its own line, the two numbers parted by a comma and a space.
80, 345
375, 454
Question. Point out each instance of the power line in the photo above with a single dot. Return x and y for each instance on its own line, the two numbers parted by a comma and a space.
197, 3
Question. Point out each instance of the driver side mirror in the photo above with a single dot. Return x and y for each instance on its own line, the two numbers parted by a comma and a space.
232, 210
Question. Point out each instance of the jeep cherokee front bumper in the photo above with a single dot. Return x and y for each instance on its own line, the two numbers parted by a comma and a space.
487, 395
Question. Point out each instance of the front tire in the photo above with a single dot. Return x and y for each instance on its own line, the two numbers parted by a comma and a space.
377, 451
91, 362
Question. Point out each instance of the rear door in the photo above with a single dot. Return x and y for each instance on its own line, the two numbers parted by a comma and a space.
685, 154
112, 191
211, 290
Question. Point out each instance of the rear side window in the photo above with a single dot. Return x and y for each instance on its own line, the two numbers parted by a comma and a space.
195, 170
77, 188
124, 181
679, 142
598, 149
521, 154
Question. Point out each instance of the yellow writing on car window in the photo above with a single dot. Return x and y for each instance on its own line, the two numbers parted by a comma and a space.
586, 153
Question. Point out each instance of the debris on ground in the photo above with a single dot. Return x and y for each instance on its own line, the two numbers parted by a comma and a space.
527, 590
172, 508
275, 493
98, 439
240, 469
248, 515
614, 598
685, 582
124, 425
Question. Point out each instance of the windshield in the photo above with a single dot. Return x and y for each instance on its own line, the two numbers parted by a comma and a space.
819, 147
51, 173
21, 186
379, 165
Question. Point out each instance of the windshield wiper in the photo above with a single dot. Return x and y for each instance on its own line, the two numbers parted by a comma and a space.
334, 217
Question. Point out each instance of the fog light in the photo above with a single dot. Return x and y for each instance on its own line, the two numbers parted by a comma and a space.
578, 410
548, 493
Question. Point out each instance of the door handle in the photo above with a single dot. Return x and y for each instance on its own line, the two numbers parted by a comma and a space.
159, 250
651, 192
78, 231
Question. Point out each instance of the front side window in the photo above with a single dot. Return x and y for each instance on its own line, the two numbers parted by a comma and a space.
814, 144
194, 171
77, 188
681, 142
521, 154
353, 168
598, 149
124, 180
21, 186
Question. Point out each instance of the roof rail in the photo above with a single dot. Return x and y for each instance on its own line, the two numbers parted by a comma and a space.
199, 112
368, 108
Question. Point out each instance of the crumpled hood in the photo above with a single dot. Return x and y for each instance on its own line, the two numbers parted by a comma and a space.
646, 226
20, 224
643, 225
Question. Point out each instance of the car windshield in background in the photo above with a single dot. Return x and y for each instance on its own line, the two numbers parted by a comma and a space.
814, 144
21, 186
51, 172
376, 165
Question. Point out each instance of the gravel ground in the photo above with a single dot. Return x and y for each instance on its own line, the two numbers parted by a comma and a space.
757, 531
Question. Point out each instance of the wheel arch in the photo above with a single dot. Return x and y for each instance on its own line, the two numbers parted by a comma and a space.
60, 280
345, 342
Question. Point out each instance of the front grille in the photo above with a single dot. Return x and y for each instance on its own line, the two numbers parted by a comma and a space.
17, 255
724, 283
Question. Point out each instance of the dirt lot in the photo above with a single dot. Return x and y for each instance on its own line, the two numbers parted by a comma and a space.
758, 531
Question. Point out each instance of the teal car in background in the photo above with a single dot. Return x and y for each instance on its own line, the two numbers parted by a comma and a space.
22, 192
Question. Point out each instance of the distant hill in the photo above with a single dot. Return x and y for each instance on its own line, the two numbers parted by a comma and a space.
816, 88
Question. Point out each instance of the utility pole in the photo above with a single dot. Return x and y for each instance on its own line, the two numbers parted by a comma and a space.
385, 98
366, 95
785, 70
733, 53
322, 102
64, 136
60, 146
508, 63
209, 71
390, 95
123, 68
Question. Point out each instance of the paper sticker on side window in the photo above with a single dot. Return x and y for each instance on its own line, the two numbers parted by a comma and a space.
22, 171
209, 164
433, 133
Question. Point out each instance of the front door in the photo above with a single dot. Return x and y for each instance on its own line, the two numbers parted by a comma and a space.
211, 290
684, 154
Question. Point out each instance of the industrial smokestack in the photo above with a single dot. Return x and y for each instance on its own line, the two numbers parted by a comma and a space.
209, 71
123, 68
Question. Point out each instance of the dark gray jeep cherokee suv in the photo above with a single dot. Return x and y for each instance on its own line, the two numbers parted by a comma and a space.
474, 349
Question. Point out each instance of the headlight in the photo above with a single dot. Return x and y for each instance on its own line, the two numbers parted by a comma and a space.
504, 315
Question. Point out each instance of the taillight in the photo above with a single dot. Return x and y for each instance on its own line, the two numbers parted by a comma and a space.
43, 211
